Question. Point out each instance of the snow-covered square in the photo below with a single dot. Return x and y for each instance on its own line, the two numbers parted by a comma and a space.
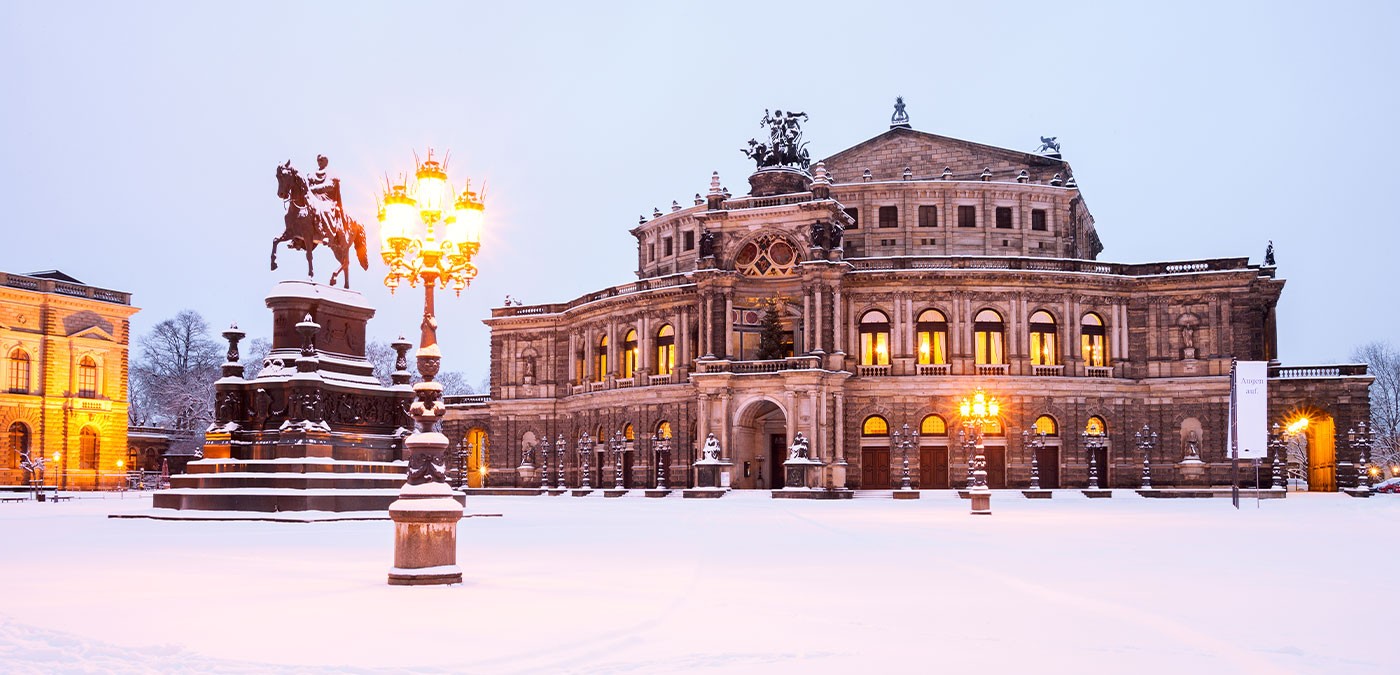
740, 584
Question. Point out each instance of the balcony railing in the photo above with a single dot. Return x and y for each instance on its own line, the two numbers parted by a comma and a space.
987, 369
968, 262
1098, 371
598, 386
932, 369
873, 371
1047, 371
661, 379
1309, 372
771, 366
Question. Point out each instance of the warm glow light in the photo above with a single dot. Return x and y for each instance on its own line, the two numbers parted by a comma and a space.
1298, 425
120, 464
57, 456
397, 216
431, 189
465, 225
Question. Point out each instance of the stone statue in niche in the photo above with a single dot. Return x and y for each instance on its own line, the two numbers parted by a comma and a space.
707, 244
528, 369
1193, 447
1188, 337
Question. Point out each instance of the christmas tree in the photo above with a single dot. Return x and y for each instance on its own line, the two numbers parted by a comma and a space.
770, 336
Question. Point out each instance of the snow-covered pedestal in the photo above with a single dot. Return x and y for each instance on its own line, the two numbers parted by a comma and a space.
1191, 472
425, 536
711, 472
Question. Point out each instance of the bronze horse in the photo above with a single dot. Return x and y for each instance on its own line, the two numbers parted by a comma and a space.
305, 227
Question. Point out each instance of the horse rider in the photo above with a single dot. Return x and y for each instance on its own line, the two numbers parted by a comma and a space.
325, 191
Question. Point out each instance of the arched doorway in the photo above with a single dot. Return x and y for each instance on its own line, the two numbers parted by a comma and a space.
1310, 442
478, 456
760, 446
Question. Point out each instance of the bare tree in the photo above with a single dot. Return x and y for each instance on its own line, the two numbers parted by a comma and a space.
174, 374
252, 356
1383, 361
382, 357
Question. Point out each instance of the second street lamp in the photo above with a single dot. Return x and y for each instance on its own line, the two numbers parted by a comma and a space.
977, 412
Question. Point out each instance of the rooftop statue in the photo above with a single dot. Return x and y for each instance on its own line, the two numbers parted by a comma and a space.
315, 215
1049, 144
785, 146
899, 118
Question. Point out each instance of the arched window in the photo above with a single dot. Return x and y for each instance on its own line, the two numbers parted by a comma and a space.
663, 429
1044, 348
1093, 341
874, 339
875, 426
989, 337
87, 377
1045, 424
580, 367
17, 444
88, 448
1095, 426
629, 354
931, 336
629, 433
665, 350
933, 425
600, 361
992, 427
19, 371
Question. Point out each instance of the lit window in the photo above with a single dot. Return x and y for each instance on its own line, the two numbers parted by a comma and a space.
1044, 350
600, 361
874, 339
19, 371
665, 350
1093, 341
1095, 426
988, 335
580, 367
88, 449
629, 354
931, 334
933, 425
992, 427
628, 433
1045, 424
663, 430
87, 377
875, 426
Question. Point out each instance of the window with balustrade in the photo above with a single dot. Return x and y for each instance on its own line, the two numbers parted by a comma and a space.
1093, 341
1044, 345
989, 338
87, 377
600, 361
665, 350
874, 339
629, 354
931, 337
19, 371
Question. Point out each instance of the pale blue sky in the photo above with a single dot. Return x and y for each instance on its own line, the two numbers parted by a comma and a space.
140, 139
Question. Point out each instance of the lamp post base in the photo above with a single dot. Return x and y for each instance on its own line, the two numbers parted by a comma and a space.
981, 503
425, 536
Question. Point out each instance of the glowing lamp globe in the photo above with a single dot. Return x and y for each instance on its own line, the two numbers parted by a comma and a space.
467, 218
400, 212
431, 190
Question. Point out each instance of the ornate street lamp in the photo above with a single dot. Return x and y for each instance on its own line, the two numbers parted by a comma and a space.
428, 237
545, 450
1035, 442
559, 462
617, 444
585, 448
1092, 444
977, 411
1146, 440
904, 439
662, 446
1276, 448
1360, 440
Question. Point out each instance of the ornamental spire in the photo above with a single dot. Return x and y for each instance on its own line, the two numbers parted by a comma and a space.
900, 119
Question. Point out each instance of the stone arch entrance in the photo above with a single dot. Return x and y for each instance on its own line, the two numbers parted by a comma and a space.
478, 448
1310, 443
760, 446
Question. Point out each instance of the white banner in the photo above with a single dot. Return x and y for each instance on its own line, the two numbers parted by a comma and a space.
1249, 414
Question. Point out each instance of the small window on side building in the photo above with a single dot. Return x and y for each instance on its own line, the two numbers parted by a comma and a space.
688, 241
1003, 217
666, 247
889, 216
928, 216
967, 216
1038, 220
854, 213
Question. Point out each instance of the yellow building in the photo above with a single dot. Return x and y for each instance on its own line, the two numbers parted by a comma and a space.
63, 379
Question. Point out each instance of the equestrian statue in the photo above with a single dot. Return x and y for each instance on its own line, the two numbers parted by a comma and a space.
316, 215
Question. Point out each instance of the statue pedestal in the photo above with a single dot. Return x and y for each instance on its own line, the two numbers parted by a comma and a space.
711, 478
802, 473
778, 180
528, 476
425, 536
1191, 473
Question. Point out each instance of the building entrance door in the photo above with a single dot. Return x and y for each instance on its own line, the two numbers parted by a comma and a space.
933, 468
996, 466
1101, 460
1049, 467
777, 454
875, 468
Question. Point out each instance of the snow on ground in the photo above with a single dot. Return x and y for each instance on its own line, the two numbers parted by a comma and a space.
739, 584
